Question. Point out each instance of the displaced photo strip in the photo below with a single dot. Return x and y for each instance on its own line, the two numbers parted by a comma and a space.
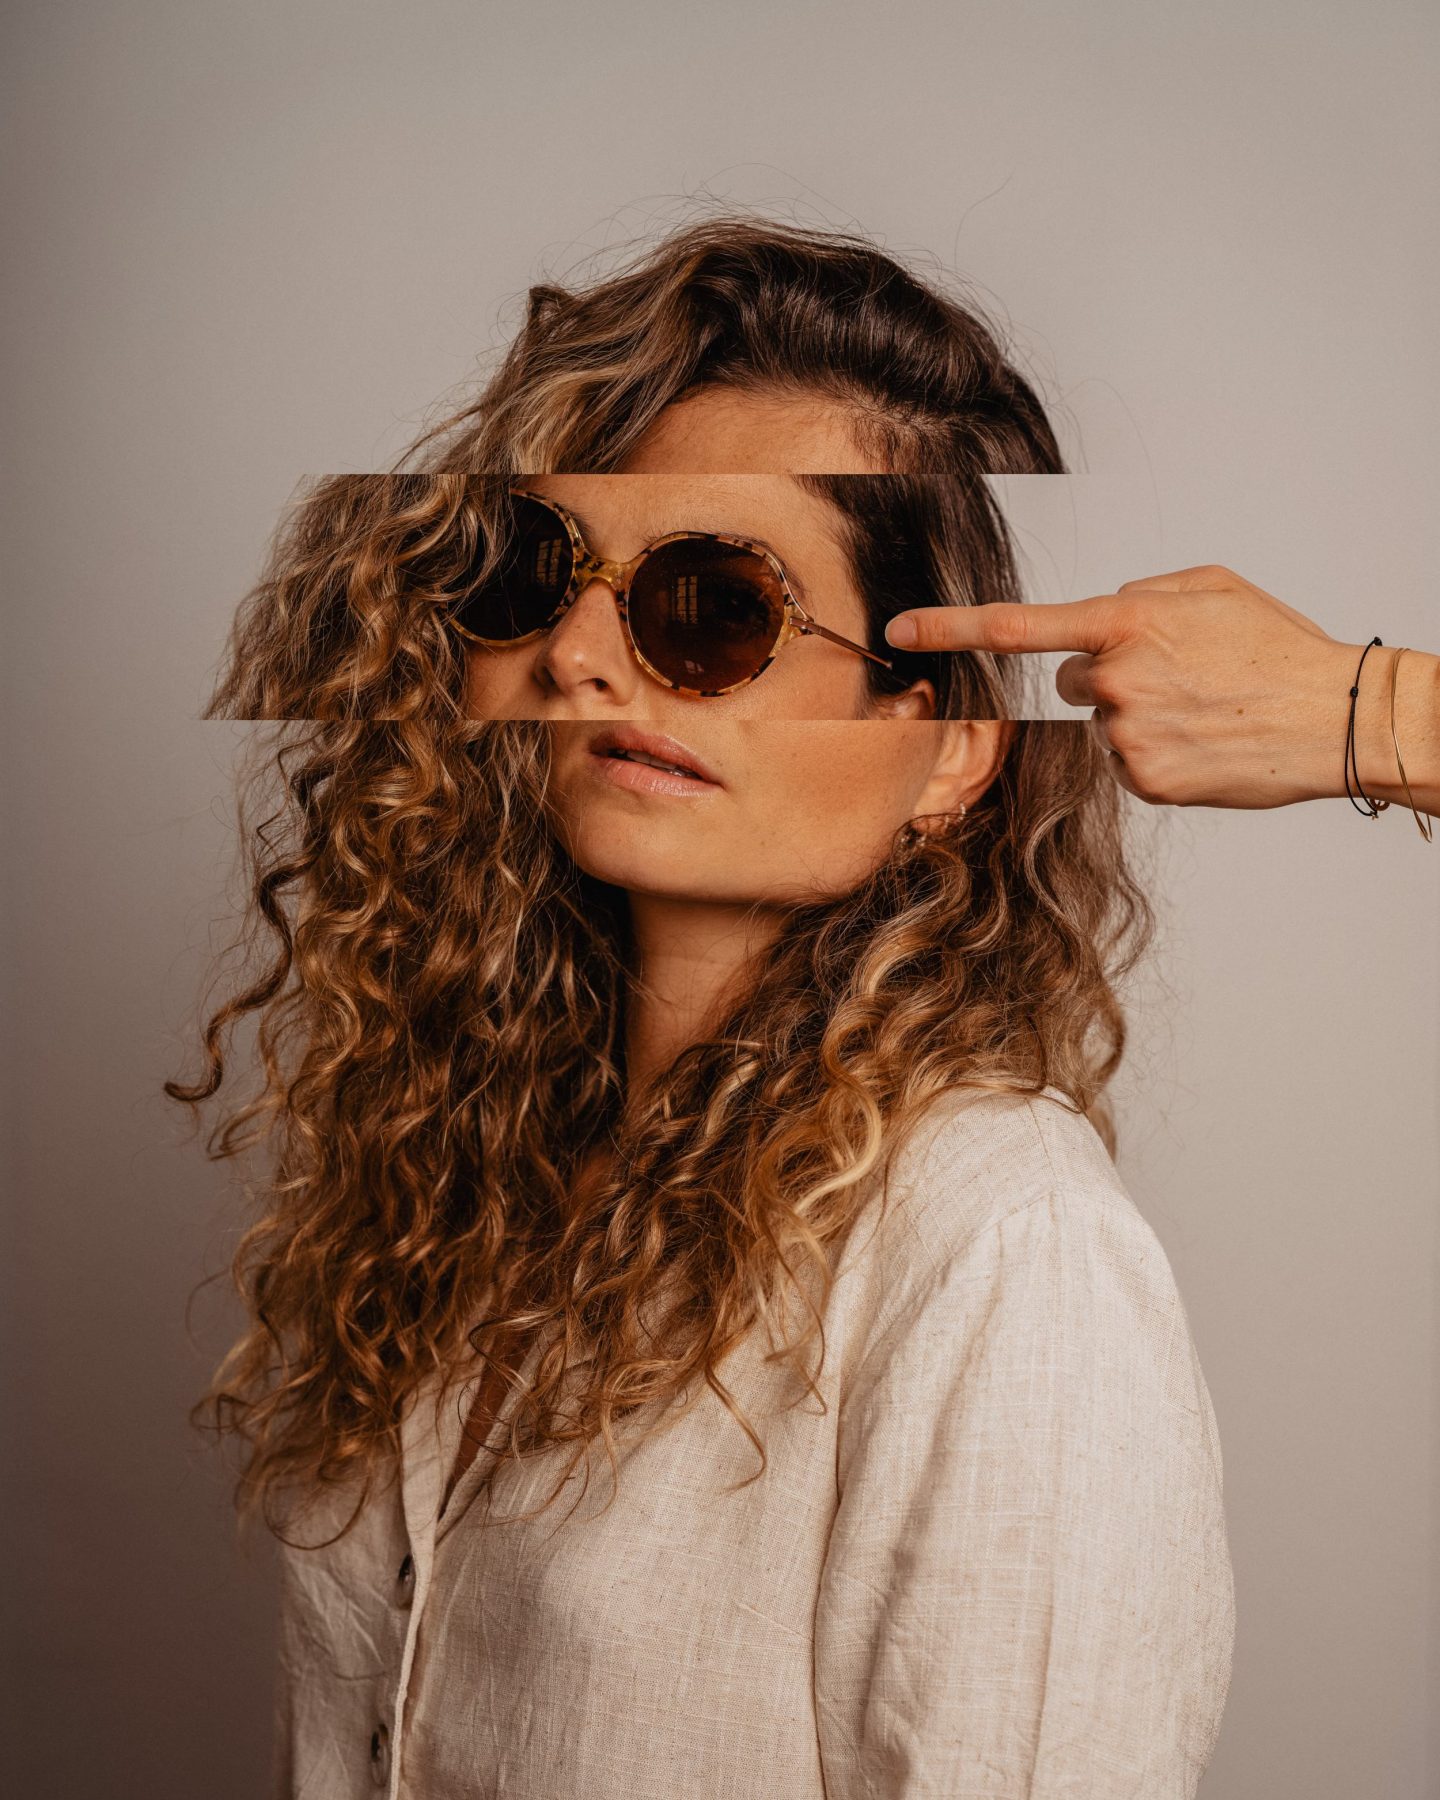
394, 595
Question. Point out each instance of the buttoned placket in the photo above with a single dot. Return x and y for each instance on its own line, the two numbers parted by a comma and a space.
426, 1457
421, 1462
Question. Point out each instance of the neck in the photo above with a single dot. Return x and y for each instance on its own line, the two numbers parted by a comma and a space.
687, 959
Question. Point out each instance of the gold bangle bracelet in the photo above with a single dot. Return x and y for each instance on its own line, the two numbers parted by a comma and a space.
1423, 824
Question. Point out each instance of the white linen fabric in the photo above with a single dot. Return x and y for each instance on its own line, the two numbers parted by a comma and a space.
994, 1563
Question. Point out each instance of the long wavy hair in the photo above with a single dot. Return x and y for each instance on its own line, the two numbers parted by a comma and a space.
439, 990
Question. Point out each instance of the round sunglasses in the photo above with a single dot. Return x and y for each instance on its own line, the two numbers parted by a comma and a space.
704, 613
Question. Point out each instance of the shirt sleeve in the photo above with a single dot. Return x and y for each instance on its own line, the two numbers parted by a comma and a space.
1028, 1589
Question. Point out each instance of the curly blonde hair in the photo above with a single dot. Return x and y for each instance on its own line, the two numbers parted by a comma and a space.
439, 1043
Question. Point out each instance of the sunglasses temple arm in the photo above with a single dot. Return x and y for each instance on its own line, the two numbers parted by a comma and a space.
835, 638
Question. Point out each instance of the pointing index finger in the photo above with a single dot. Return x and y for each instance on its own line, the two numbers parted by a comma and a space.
1008, 626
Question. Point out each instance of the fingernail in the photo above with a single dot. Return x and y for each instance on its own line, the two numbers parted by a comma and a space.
901, 632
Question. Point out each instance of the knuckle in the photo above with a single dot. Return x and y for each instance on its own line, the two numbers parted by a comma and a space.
1145, 789
1147, 775
1122, 739
1125, 613
1010, 629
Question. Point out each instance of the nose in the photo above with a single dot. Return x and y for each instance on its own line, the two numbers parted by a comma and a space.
587, 655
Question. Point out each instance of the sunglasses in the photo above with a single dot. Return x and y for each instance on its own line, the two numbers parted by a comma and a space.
703, 612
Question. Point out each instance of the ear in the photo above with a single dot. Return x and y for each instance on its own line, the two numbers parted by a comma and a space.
916, 702
968, 759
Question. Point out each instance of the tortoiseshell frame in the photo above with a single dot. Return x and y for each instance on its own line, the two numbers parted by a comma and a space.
618, 576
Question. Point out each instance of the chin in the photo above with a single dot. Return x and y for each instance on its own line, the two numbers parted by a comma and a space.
650, 885
642, 868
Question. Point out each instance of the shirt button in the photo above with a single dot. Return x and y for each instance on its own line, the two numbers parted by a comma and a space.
405, 1581
380, 1755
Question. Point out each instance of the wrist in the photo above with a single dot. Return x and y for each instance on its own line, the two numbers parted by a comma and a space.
1329, 714
1416, 723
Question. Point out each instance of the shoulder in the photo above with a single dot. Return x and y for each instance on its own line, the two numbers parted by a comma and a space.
1006, 1223
981, 1188
973, 1158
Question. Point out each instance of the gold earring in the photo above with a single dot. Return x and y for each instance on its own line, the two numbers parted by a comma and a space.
949, 824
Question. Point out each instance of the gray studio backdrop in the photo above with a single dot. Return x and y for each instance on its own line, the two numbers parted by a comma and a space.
248, 243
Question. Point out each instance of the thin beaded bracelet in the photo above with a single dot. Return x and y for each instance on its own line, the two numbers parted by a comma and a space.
1372, 808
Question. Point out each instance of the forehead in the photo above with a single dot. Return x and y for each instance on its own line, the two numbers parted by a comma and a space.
723, 460
652, 504
722, 431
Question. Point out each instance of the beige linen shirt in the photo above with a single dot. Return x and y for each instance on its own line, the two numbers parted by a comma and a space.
994, 1564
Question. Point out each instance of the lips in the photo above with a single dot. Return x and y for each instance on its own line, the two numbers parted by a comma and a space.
652, 749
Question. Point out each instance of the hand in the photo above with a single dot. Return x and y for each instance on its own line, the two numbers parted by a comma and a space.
1207, 690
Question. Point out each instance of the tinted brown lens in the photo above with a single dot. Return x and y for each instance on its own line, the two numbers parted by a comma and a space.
524, 591
706, 615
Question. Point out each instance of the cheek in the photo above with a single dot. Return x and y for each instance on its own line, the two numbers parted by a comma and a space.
833, 805
492, 676
810, 679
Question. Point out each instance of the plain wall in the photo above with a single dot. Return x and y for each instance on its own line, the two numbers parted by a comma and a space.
249, 243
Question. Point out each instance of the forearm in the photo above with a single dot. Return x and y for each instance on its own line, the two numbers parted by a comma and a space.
1417, 728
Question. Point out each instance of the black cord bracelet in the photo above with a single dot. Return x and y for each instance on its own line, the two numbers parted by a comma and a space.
1372, 808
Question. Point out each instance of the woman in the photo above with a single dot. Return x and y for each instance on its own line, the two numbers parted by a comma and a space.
702, 1344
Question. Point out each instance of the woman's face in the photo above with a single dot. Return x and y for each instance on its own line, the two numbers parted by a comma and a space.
799, 781
721, 462
781, 811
